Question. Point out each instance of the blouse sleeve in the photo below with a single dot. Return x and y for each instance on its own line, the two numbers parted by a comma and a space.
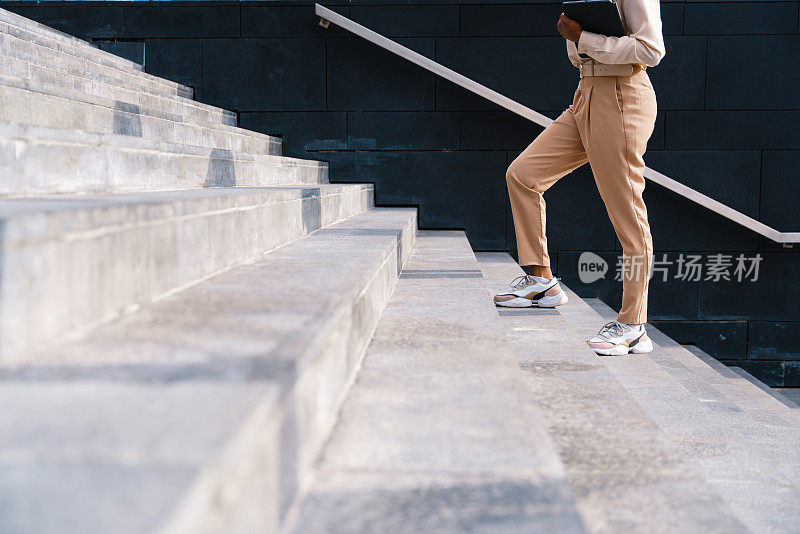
643, 44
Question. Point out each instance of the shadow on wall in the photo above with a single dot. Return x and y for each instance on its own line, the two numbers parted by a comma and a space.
2, 264
127, 119
311, 209
221, 169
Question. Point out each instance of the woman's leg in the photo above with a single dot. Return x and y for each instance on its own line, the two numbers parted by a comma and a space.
620, 121
554, 153
540, 270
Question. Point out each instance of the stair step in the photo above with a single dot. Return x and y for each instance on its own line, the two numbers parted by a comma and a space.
37, 44
36, 160
87, 81
626, 473
202, 412
792, 395
73, 262
754, 466
756, 393
14, 19
435, 435
785, 406
720, 386
724, 380
34, 104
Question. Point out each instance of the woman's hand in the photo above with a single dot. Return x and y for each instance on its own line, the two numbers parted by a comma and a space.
569, 28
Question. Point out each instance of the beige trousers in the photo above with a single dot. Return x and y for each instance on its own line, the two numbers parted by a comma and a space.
608, 124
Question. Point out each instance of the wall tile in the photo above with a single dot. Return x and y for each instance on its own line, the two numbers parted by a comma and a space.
85, 22
732, 129
265, 74
678, 224
766, 85
791, 378
706, 170
302, 132
364, 77
780, 190
673, 299
289, 21
672, 18
451, 97
162, 20
679, 78
534, 71
766, 299
774, 340
509, 20
131, 50
670, 297
179, 60
408, 21
498, 130
402, 130
435, 180
740, 18
771, 373
724, 340
425, 2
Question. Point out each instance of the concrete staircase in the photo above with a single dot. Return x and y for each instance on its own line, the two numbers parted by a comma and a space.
198, 334
182, 309
659, 442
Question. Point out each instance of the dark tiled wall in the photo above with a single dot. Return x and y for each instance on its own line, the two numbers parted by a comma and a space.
727, 126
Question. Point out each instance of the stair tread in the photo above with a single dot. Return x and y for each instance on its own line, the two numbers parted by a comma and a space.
714, 376
754, 467
87, 103
40, 160
87, 81
753, 394
73, 213
13, 18
176, 397
16, 25
58, 251
433, 436
37, 59
618, 459
775, 394
714, 388
701, 376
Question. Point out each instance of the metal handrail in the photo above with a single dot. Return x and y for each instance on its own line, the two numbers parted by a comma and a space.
327, 16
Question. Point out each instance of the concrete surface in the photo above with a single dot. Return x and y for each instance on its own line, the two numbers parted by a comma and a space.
70, 263
626, 473
436, 435
204, 411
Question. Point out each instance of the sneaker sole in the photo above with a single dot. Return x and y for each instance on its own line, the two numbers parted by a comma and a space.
622, 350
544, 302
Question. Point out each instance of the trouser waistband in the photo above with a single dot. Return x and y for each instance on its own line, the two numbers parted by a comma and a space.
593, 68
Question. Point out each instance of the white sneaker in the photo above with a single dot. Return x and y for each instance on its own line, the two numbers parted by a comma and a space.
616, 339
529, 291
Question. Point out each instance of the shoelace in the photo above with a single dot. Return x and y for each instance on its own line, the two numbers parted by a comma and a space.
612, 327
525, 279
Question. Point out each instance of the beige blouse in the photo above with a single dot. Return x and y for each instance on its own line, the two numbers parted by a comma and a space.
644, 43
